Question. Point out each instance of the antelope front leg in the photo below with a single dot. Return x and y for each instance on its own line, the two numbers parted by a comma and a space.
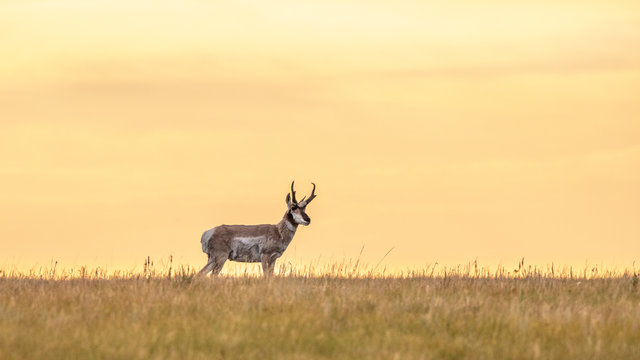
267, 265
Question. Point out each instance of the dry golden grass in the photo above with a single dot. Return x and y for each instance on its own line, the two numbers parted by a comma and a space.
339, 311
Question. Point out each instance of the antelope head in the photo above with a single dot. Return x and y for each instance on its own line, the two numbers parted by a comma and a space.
298, 209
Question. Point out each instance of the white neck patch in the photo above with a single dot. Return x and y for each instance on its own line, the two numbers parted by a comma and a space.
290, 226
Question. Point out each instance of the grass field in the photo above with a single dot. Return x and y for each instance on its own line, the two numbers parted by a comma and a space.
338, 312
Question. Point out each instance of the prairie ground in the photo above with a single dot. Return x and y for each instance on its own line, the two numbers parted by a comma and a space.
454, 315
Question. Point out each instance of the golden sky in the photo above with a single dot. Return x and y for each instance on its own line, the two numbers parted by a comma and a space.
448, 130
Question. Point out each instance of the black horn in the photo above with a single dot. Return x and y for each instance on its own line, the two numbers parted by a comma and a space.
293, 194
304, 202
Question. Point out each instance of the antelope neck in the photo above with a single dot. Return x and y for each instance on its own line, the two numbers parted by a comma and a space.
288, 225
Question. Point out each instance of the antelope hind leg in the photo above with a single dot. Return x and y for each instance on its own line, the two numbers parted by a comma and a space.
218, 263
207, 268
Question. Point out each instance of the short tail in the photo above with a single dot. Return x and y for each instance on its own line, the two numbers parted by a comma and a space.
206, 237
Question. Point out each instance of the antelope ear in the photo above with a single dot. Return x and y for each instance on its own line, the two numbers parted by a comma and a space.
288, 200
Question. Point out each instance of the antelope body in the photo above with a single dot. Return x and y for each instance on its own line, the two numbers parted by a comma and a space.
255, 243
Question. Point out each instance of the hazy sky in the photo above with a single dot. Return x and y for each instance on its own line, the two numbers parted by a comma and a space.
448, 130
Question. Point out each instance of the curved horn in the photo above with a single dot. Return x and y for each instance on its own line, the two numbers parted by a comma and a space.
304, 202
293, 194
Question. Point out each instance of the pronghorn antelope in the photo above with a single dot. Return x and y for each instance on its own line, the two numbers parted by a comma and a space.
255, 243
